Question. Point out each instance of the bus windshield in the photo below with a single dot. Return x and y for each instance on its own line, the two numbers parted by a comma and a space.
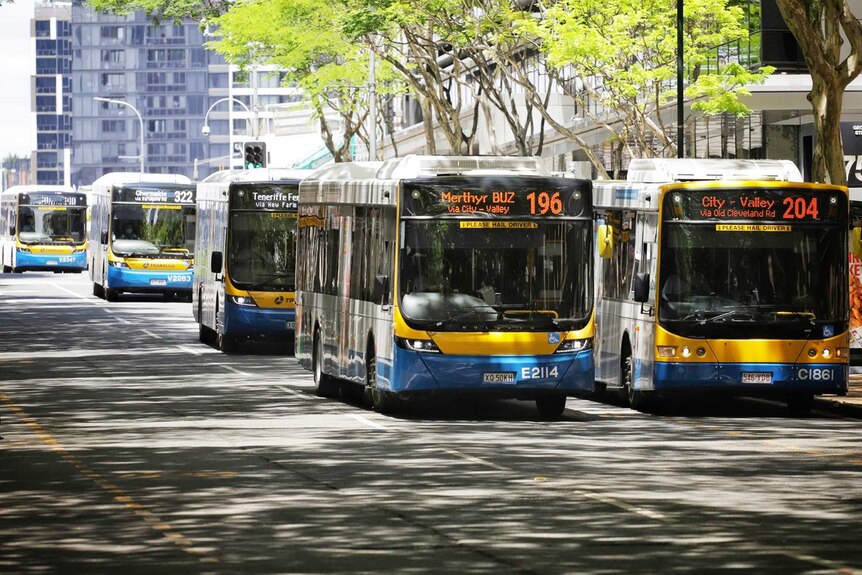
262, 250
752, 284
161, 230
462, 275
52, 224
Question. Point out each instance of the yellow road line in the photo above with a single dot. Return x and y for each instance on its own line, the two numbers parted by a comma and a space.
164, 528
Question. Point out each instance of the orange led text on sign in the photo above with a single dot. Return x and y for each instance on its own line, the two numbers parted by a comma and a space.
468, 202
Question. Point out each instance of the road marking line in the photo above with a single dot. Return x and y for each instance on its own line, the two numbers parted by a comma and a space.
297, 393
477, 460
118, 494
233, 369
368, 422
151, 334
77, 295
189, 350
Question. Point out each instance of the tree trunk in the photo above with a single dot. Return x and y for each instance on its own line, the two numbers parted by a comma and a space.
828, 161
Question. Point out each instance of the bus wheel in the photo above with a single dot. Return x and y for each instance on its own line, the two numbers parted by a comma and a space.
205, 334
325, 385
551, 407
800, 404
383, 401
111, 294
98, 291
7, 269
225, 342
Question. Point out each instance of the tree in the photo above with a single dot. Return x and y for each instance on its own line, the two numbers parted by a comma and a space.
820, 26
617, 60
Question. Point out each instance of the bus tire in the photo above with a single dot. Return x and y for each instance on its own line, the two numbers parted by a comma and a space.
325, 385
383, 401
551, 407
7, 269
98, 291
226, 343
205, 334
800, 404
111, 294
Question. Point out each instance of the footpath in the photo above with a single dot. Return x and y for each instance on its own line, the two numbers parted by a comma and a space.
851, 404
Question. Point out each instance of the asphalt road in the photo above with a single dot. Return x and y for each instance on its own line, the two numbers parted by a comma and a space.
129, 447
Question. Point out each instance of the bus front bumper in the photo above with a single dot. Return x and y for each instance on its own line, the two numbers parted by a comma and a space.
751, 377
143, 281
504, 376
253, 321
50, 262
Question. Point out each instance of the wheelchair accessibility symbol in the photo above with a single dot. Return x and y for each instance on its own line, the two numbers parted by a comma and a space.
554, 337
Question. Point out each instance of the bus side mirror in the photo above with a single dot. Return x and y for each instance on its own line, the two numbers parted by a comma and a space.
605, 241
104, 238
856, 239
11, 230
641, 288
216, 262
381, 287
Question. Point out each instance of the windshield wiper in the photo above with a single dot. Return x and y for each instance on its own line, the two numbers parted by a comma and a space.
745, 312
460, 316
806, 315
266, 281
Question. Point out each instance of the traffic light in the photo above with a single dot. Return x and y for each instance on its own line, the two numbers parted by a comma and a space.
255, 154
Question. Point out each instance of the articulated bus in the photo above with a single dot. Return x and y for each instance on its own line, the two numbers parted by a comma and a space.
732, 279
855, 278
436, 274
245, 284
43, 228
142, 228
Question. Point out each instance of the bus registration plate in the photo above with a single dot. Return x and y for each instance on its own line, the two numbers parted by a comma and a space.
499, 377
158, 282
290, 325
756, 377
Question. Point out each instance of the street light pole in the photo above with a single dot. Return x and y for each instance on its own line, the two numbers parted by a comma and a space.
140, 119
206, 128
680, 90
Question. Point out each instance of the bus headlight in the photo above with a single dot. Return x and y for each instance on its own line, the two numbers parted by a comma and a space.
666, 351
841, 352
420, 345
79, 250
117, 264
574, 345
826, 353
241, 300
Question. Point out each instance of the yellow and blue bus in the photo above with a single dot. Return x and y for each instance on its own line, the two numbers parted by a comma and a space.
446, 275
143, 229
246, 245
43, 228
725, 276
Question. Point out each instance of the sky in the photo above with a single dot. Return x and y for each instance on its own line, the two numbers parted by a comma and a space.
15, 67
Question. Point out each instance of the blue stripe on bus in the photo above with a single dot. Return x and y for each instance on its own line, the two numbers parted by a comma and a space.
60, 261
788, 377
124, 278
247, 320
414, 371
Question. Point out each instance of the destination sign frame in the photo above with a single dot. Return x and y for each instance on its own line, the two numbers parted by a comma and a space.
276, 197
56, 199
181, 194
784, 205
497, 196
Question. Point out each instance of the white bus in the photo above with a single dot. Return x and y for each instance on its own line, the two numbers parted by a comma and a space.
43, 228
446, 275
246, 248
725, 276
143, 229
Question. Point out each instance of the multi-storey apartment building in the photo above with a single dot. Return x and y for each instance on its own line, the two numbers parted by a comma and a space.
51, 99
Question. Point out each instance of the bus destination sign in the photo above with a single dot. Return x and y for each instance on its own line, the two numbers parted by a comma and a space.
53, 199
156, 195
785, 205
537, 197
257, 197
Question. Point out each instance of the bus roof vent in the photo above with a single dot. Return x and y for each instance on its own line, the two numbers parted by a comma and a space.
414, 166
346, 171
663, 170
113, 178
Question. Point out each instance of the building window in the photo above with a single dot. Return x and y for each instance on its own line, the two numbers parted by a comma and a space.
112, 33
114, 56
113, 126
114, 80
